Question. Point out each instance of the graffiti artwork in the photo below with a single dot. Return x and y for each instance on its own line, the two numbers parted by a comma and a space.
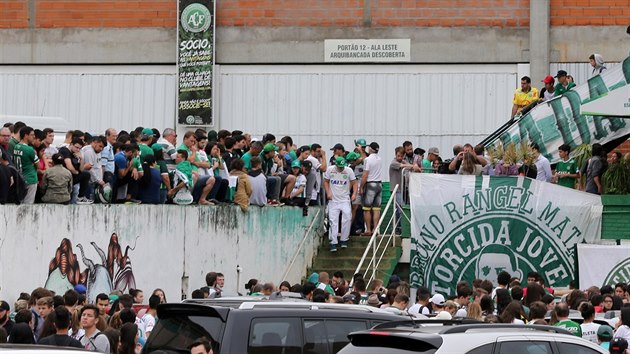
111, 271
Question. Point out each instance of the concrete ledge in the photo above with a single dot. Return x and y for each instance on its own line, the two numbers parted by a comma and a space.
165, 246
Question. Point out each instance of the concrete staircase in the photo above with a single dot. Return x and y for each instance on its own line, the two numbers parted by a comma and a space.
346, 260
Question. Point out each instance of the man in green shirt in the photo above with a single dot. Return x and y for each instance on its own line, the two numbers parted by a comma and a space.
27, 163
427, 164
563, 85
145, 141
255, 149
566, 169
562, 313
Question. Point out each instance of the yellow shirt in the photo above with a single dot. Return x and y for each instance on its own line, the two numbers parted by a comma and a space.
523, 99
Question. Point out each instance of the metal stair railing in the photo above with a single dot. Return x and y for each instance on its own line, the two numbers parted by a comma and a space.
375, 243
299, 250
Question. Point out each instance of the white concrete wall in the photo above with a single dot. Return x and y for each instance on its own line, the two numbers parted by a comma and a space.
170, 243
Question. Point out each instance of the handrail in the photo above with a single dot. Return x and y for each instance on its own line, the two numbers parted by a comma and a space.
310, 227
373, 262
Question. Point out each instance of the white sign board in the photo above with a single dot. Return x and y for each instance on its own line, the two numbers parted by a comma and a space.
603, 265
614, 103
367, 50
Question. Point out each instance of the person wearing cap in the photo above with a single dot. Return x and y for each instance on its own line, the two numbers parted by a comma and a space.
618, 346
547, 92
524, 95
269, 157
427, 163
438, 303
361, 145
146, 138
355, 162
340, 186
338, 150
563, 85
604, 335
5, 320
371, 188
395, 176
297, 195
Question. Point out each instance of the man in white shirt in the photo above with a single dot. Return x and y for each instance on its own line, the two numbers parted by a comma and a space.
318, 159
543, 167
371, 189
340, 185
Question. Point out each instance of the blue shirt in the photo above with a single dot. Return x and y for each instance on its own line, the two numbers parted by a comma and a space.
149, 192
120, 161
107, 158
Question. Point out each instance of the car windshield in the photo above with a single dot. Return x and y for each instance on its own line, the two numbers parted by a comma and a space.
175, 334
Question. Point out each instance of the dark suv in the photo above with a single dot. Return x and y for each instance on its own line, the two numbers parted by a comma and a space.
263, 327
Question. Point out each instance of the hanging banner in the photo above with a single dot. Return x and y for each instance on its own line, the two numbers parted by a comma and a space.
603, 265
468, 227
195, 61
573, 120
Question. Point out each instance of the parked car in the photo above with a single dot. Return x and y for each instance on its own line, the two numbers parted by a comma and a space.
263, 327
394, 338
7, 348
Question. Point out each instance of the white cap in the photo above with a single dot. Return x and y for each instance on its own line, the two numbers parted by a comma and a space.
438, 299
443, 315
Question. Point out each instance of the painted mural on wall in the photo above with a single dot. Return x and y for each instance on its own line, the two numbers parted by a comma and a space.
102, 273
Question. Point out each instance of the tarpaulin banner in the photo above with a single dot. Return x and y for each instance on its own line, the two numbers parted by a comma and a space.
468, 227
603, 265
561, 120
195, 61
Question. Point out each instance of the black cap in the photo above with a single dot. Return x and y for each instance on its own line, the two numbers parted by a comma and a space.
4, 306
307, 164
619, 345
561, 73
338, 147
374, 146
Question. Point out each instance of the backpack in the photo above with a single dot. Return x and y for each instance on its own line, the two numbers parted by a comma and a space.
91, 340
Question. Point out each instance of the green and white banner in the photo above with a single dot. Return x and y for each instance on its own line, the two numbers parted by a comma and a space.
564, 120
195, 61
467, 227
603, 265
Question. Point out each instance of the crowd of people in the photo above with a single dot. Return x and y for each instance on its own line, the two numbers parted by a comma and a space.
112, 325
508, 302
109, 325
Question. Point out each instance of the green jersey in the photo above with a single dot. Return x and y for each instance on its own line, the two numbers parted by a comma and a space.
24, 158
247, 159
137, 164
570, 326
560, 89
427, 166
186, 168
566, 168
144, 151
184, 147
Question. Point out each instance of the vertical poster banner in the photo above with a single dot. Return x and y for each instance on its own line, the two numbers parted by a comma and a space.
603, 264
195, 62
468, 227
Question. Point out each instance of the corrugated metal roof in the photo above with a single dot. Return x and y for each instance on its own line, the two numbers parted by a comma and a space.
92, 98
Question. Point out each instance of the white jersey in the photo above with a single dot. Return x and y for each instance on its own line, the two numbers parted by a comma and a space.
589, 331
339, 182
203, 157
373, 167
300, 182
318, 175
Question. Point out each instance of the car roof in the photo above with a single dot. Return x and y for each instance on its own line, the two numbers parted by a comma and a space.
448, 335
47, 349
274, 308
